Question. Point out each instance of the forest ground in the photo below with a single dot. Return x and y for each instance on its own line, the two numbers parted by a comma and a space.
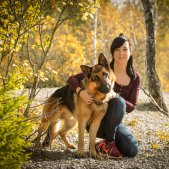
145, 122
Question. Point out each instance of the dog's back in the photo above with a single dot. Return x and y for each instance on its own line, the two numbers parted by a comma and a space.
65, 96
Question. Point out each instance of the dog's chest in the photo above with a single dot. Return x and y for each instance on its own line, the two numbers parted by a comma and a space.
88, 110
99, 108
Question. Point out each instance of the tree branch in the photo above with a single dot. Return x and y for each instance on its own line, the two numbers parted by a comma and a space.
151, 99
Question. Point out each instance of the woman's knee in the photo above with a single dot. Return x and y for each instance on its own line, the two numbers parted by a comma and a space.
119, 101
133, 150
126, 142
118, 105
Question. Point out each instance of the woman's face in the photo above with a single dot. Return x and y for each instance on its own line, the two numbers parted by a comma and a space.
122, 54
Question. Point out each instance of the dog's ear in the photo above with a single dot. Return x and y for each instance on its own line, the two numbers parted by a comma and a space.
102, 60
86, 70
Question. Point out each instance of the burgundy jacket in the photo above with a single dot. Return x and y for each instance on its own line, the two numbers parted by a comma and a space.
129, 93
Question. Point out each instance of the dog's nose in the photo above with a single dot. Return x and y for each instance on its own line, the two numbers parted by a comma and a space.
105, 88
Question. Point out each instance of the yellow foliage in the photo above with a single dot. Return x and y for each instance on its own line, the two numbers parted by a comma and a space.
155, 146
132, 122
73, 42
42, 76
148, 155
163, 136
72, 58
162, 61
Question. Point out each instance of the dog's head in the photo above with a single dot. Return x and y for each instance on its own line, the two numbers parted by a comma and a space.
100, 77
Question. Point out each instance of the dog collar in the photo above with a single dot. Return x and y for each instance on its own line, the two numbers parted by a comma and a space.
98, 102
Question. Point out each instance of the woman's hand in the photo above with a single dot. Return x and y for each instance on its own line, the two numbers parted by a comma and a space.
86, 97
113, 94
110, 96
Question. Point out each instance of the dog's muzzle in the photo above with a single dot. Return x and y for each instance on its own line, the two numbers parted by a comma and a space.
104, 88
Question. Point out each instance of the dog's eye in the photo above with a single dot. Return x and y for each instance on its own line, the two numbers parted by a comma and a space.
96, 78
105, 75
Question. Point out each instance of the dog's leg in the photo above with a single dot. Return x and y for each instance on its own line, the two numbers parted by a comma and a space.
68, 125
46, 141
82, 121
81, 130
49, 108
53, 132
92, 133
44, 125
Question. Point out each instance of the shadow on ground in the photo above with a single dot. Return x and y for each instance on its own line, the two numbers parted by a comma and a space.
48, 155
146, 107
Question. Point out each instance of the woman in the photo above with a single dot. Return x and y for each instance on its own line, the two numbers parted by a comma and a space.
118, 140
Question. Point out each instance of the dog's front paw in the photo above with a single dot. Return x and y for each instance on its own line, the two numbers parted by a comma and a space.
93, 154
71, 146
80, 154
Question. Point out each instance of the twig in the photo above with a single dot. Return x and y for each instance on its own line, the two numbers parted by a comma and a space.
151, 99
45, 131
58, 106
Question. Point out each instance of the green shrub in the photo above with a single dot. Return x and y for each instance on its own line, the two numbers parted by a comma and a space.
14, 127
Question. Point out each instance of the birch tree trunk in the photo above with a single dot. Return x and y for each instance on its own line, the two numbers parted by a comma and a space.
95, 39
153, 82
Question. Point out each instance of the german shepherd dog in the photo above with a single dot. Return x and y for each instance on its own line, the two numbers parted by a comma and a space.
66, 105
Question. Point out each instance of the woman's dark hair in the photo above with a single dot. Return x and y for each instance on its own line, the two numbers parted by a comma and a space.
118, 42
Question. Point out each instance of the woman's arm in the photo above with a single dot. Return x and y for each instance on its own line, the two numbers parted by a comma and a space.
132, 100
74, 83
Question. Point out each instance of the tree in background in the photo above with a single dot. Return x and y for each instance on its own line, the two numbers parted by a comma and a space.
162, 42
153, 82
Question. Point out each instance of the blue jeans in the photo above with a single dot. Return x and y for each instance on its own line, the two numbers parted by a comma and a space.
112, 129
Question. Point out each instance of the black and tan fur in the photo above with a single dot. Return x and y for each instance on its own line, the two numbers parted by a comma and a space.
64, 104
